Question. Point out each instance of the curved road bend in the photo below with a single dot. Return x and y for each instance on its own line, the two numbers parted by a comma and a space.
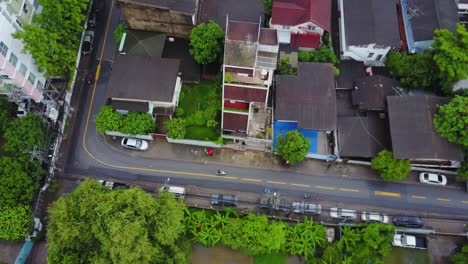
90, 156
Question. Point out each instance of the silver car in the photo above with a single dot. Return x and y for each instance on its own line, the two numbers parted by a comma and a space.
343, 213
136, 144
306, 208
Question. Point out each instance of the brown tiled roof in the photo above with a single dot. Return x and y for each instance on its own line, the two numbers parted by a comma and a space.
412, 131
372, 91
268, 36
182, 6
244, 94
235, 122
242, 31
143, 78
308, 98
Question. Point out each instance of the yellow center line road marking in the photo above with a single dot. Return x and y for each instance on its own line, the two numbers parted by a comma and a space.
252, 180
443, 200
276, 182
418, 197
465, 202
348, 190
324, 187
391, 194
300, 185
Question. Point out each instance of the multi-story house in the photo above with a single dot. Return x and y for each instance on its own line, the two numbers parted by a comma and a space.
301, 23
18, 72
462, 6
250, 56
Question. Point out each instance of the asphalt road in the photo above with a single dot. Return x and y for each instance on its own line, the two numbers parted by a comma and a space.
91, 157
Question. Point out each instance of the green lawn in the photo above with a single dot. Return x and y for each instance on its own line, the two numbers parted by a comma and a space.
194, 98
202, 133
270, 259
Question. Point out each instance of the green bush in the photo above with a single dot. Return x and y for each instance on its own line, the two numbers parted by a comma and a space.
323, 55
391, 169
137, 124
23, 134
15, 222
293, 147
176, 127
118, 33
284, 67
108, 120
228, 77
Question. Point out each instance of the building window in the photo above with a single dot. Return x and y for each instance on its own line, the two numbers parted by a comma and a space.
310, 27
31, 78
285, 27
13, 59
25, 8
379, 57
23, 69
370, 55
3, 48
40, 86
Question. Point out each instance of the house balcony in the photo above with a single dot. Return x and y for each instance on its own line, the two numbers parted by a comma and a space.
27, 14
254, 80
236, 106
15, 6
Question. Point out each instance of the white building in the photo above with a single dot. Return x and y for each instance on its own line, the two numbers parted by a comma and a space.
368, 30
16, 68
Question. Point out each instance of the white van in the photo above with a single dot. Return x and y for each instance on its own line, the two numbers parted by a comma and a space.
178, 192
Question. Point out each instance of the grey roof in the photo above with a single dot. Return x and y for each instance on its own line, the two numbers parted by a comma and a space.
309, 97
428, 15
240, 48
182, 6
412, 131
372, 91
132, 106
363, 136
143, 78
241, 10
144, 43
371, 21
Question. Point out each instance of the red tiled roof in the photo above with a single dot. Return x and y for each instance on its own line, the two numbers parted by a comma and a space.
295, 12
307, 40
244, 94
235, 122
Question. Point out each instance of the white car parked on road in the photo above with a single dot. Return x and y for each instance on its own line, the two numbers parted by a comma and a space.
374, 217
432, 178
343, 213
132, 143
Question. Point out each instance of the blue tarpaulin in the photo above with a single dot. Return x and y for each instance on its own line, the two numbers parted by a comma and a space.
282, 127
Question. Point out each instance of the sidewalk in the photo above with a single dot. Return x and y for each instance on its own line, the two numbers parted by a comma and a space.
254, 159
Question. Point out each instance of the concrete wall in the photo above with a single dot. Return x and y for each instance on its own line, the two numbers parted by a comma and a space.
147, 18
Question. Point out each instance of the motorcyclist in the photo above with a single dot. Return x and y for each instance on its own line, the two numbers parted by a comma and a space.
220, 172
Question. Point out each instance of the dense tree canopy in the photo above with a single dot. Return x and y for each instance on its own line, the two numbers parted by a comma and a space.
6, 113
451, 122
54, 37
293, 147
461, 257
176, 127
15, 222
96, 225
19, 179
390, 169
303, 239
451, 55
24, 133
206, 42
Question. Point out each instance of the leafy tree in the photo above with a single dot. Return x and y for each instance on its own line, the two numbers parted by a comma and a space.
323, 55
304, 238
176, 127
118, 33
461, 257
115, 226
137, 124
18, 180
451, 55
268, 7
293, 147
284, 67
206, 42
451, 122
54, 37
349, 239
6, 113
413, 71
24, 133
463, 170
254, 235
15, 222
331, 254
391, 169
108, 120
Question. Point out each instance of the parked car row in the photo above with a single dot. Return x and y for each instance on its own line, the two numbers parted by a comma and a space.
404, 221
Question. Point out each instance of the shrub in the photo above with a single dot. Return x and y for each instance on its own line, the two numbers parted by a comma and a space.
228, 77
176, 127
118, 33
137, 124
390, 169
